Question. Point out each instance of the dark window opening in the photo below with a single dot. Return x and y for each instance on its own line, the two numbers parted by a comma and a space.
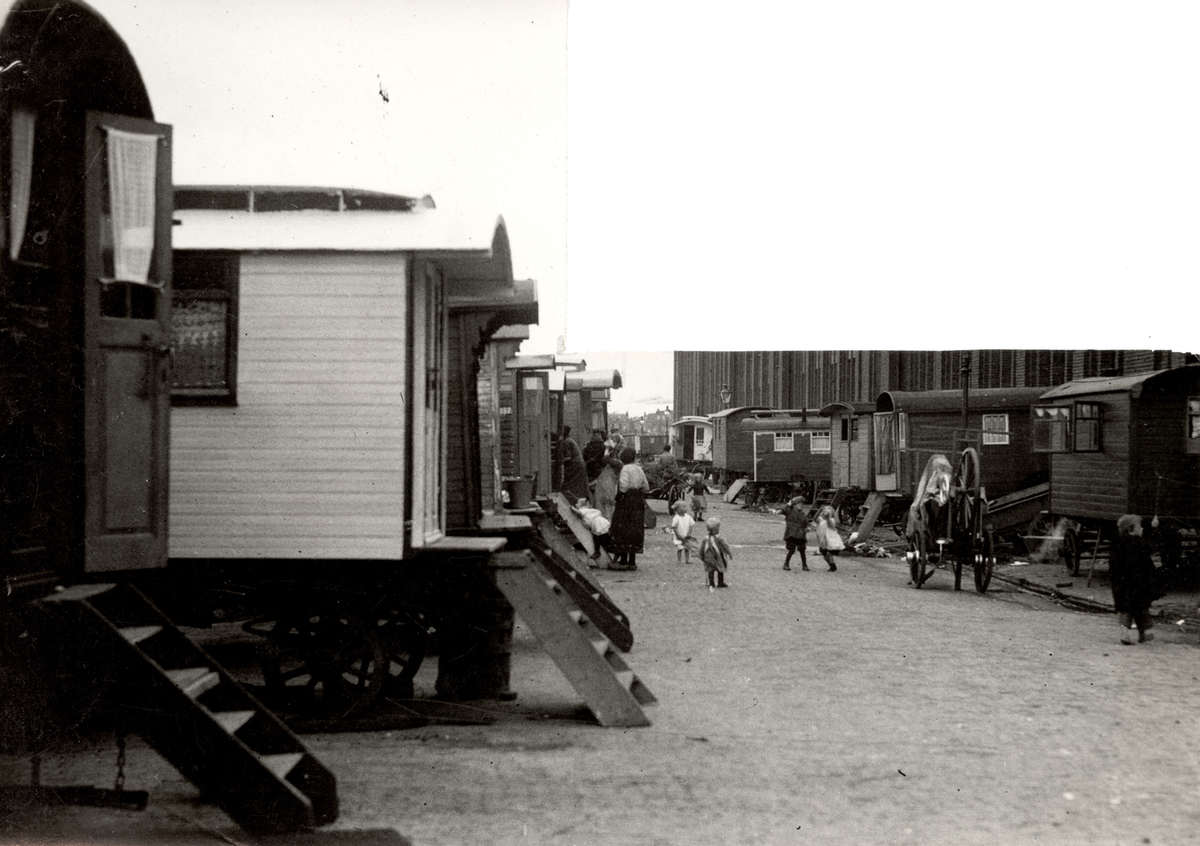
1087, 426
204, 329
1051, 428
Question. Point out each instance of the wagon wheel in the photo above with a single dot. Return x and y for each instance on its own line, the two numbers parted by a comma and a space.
331, 664
985, 561
1071, 552
405, 639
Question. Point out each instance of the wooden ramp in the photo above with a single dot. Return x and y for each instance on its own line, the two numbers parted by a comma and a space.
590, 598
874, 505
580, 531
731, 493
588, 659
191, 712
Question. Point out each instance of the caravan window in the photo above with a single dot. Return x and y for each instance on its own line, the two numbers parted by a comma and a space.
1193, 425
204, 329
995, 430
1087, 427
1051, 432
821, 442
785, 441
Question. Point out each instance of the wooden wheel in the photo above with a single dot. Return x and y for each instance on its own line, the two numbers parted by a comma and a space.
985, 562
405, 639
329, 664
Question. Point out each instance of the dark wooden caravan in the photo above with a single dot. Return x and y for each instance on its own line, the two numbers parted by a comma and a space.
1123, 445
732, 448
789, 453
85, 374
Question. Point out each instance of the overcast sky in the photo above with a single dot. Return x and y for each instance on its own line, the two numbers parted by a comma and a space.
737, 175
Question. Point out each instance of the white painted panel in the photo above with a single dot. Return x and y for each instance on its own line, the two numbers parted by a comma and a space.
310, 464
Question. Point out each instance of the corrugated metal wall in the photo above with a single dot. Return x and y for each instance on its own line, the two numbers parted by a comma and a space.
310, 464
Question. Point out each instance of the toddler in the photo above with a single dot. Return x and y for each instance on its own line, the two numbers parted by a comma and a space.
715, 554
681, 531
596, 523
795, 532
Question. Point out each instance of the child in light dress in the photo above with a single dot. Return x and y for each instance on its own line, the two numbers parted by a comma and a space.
715, 553
681, 533
596, 523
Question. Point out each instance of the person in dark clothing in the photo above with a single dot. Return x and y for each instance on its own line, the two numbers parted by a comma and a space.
593, 455
629, 516
795, 531
574, 474
1134, 578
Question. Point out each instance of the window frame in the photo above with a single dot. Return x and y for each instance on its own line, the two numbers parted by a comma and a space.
226, 289
788, 438
991, 435
826, 437
1096, 419
1049, 424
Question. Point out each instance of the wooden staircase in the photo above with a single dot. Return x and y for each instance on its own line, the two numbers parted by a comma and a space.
560, 561
191, 712
612, 691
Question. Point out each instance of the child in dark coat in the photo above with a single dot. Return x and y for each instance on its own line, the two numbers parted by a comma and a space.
1134, 578
715, 554
795, 531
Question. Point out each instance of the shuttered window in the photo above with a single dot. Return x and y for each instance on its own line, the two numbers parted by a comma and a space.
1051, 428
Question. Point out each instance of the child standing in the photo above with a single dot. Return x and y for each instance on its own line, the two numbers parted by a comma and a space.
681, 531
1133, 578
715, 554
699, 489
828, 538
795, 531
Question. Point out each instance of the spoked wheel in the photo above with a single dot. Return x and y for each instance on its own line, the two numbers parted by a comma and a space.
405, 638
327, 664
1071, 552
985, 562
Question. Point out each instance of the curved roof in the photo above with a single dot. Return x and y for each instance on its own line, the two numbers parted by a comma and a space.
786, 424
726, 412
691, 420
978, 399
853, 407
589, 379
1117, 384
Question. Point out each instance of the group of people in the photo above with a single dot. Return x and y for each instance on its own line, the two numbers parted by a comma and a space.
609, 490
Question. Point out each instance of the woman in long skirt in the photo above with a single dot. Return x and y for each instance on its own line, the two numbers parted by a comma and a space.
628, 521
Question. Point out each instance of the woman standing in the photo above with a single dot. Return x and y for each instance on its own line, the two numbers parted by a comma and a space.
574, 472
605, 490
628, 521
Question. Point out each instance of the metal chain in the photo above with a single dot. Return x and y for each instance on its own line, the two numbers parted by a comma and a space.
119, 784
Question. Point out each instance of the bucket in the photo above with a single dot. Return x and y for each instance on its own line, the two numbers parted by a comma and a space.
519, 491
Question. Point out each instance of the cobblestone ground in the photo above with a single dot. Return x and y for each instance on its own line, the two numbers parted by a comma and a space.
800, 707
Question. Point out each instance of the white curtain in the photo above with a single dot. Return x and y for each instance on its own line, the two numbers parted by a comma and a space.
23, 121
132, 162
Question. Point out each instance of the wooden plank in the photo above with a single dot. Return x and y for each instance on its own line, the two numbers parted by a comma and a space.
580, 531
732, 492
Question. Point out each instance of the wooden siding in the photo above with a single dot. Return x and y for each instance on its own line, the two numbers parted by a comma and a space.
310, 464
850, 461
801, 464
732, 448
1095, 484
1006, 467
1159, 434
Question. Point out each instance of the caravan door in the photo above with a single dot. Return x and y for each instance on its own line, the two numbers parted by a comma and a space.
887, 451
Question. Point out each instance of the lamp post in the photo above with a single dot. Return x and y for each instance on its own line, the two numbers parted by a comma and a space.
726, 396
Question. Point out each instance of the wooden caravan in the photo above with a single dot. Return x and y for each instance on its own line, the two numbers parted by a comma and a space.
497, 432
732, 448
585, 398
1123, 445
789, 451
86, 299
533, 409
911, 426
312, 370
691, 438
851, 442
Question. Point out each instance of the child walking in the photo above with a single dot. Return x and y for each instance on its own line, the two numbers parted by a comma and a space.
828, 538
795, 531
715, 554
698, 488
681, 531
1133, 579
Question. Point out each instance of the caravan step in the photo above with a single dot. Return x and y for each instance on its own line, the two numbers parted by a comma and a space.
281, 764
194, 681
